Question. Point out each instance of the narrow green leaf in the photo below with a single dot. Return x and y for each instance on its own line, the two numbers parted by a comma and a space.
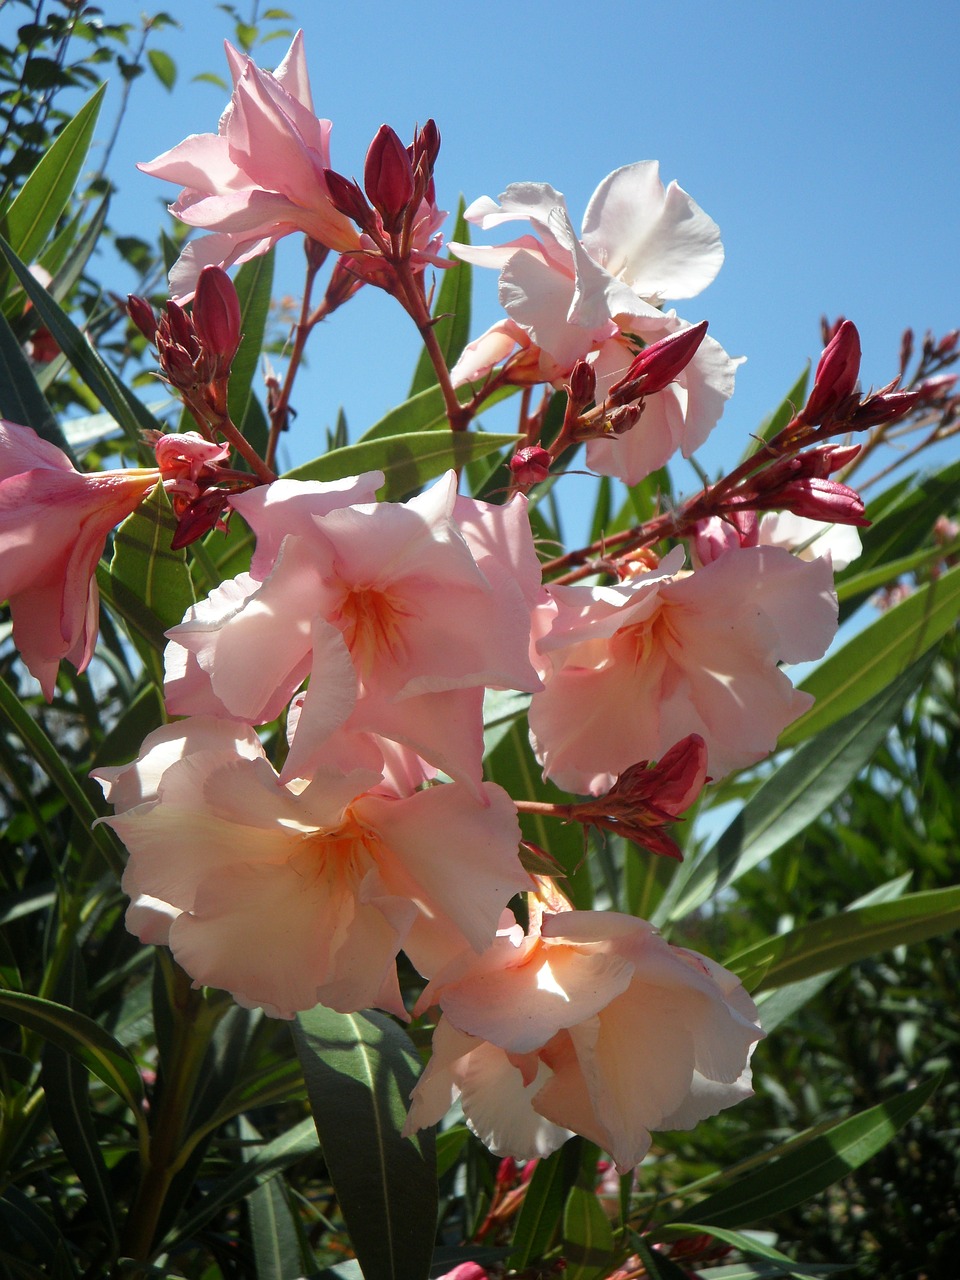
452, 311
877, 655
43, 751
795, 399
21, 399
277, 1250
424, 412
542, 1208
163, 67
129, 412
655, 1264
587, 1237
745, 1243
360, 1069
841, 939
44, 195
262, 1164
408, 462
796, 795
811, 1165
254, 285
100, 1052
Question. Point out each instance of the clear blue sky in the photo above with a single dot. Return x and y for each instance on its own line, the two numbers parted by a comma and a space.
822, 137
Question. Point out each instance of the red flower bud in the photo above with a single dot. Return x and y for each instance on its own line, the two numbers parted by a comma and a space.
348, 199
141, 313
837, 374
826, 500
216, 316
388, 178
658, 365
583, 384
530, 465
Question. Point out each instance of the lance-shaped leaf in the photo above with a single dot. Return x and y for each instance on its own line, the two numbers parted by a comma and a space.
810, 1165
845, 937
541, 1212
877, 655
587, 1237
254, 284
793, 797
21, 399
425, 411
746, 1244
360, 1069
44, 195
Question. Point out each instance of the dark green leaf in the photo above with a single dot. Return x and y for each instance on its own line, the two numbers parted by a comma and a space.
360, 1069
423, 412
21, 399
542, 1208
794, 400
587, 1237
746, 1244
254, 285
278, 1248
811, 1164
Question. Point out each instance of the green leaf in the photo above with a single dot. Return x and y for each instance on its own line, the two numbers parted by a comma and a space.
148, 576
811, 1164
451, 313
360, 1069
66, 1087
746, 1244
21, 399
100, 1052
274, 1228
423, 412
52, 763
790, 799
163, 67
129, 412
877, 655
44, 195
540, 1213
260, 1165
848, 936
587, 1237
407, 461
254, 285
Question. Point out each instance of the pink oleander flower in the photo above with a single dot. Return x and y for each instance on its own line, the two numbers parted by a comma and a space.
259, 177
54, 523
598, 297
287, 896
590, 1024
629, 670
401, 614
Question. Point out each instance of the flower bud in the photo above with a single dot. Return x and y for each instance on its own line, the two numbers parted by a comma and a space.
216, 316
388, 178
141, 313
658, 365
837, 374
347, 198
825, 500
583, 384
530, 465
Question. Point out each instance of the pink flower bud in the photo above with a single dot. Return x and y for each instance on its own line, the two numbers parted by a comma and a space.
731, 532
948, 342
187, 455
837, 374
658, 365
347, 198
388, 177
530, 465
825, 500
216, 316
583, 383
886, 406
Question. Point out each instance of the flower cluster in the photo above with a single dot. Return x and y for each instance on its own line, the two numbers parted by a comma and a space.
317, 803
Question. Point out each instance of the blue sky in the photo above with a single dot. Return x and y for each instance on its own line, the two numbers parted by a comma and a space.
820, 136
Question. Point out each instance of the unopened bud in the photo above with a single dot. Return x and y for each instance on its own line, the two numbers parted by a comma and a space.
141, 313
825, 500
719, 534
388, 178
948, 342
886, 406
530, 465
658, 365
837, 374
583, 384
216, 316
199, 517
348, 199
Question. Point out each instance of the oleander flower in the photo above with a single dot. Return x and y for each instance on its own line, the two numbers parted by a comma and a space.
589, 1024
259, 177
287, 896
54, 523
598, 297
400, 613
631, 669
